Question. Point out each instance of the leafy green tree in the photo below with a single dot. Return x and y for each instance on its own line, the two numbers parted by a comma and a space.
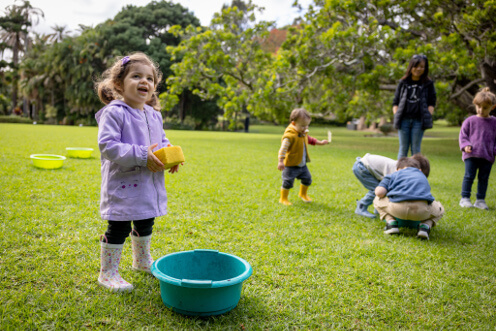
226, 63
146, 29
365, 47
62, 69
14, 35
344, 57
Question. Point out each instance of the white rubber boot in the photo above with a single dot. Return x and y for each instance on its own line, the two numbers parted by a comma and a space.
142, 260
109, 271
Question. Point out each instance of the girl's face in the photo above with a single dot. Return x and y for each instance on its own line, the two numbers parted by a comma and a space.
483, 110
138, 85
418, 70
301, 124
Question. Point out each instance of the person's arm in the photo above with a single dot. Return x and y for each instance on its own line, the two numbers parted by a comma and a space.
110, 144
313, 141
167, 143
380, 191
464, 139
396, 100
431, 98
282, 153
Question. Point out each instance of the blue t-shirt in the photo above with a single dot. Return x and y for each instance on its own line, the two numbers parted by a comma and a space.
406, 185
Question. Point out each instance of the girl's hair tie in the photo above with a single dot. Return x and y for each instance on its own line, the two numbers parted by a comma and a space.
125, 60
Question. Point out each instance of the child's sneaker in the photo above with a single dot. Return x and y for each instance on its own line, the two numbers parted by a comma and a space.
423, 231
481, 204
362, 210
392, 227
465, 203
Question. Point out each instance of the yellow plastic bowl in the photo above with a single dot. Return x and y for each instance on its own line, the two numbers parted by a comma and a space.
79, 152
47, 161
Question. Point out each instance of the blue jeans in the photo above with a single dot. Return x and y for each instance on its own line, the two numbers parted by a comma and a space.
410, 135
367, 180
471, 166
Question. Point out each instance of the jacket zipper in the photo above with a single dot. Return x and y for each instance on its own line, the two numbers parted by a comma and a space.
153, 175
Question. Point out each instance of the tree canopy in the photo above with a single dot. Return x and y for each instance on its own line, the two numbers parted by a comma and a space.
59, 70
344, 57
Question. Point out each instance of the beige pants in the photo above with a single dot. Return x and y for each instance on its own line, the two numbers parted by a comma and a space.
418, 210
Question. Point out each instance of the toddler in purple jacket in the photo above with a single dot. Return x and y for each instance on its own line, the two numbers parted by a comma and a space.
133, 188
478, 146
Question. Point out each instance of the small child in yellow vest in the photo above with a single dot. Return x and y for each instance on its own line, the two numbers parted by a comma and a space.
293, 155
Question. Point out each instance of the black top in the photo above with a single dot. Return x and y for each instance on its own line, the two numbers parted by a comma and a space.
414, 93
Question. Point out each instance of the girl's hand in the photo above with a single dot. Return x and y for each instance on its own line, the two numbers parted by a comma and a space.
174, 168
467, 149
152, 162
280, 165
323, 142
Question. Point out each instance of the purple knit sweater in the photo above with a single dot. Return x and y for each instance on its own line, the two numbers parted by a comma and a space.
480, 133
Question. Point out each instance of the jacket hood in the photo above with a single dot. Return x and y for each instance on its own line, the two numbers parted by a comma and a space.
113, 103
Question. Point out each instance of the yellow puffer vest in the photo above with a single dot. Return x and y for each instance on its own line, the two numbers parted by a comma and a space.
297, 140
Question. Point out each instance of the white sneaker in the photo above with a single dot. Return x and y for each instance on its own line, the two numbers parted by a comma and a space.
423, 231
465, 203
481, 204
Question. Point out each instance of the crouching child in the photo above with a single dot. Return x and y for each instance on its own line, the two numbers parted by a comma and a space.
406, 194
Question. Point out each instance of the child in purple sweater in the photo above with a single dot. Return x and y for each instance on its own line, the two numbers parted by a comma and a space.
478, 144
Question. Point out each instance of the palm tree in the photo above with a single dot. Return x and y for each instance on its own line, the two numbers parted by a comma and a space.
60, 32
15, 34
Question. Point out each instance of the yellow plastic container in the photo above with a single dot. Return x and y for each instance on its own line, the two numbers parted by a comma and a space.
170, 156
79, 152
47, 161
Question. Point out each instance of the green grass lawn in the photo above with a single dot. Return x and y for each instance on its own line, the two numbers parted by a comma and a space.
315, 265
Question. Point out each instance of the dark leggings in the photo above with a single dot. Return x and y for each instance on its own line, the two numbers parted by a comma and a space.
118, 231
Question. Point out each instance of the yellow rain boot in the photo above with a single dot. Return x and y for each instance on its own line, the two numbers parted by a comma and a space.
303, 193
284, 197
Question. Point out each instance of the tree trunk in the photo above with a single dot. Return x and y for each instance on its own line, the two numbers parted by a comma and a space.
15, 61
182, 102
382, 121
361, 124
25, 102
489, 74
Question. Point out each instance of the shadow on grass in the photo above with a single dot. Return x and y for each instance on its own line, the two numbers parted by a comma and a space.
248, 310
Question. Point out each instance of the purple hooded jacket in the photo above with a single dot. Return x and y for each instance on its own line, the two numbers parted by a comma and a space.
480, 133
130, 191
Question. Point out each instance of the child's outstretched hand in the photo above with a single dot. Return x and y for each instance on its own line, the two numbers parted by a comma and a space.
323, 142
468, 149
280, 165
152, 162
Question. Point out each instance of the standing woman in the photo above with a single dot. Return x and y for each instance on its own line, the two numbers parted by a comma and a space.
413, 105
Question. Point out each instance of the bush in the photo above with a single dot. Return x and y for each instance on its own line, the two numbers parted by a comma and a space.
386, 128
173, 123
15, 119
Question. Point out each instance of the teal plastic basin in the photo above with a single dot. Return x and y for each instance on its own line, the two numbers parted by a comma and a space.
202, 282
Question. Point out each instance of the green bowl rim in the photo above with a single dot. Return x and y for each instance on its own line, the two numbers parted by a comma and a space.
54, 157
